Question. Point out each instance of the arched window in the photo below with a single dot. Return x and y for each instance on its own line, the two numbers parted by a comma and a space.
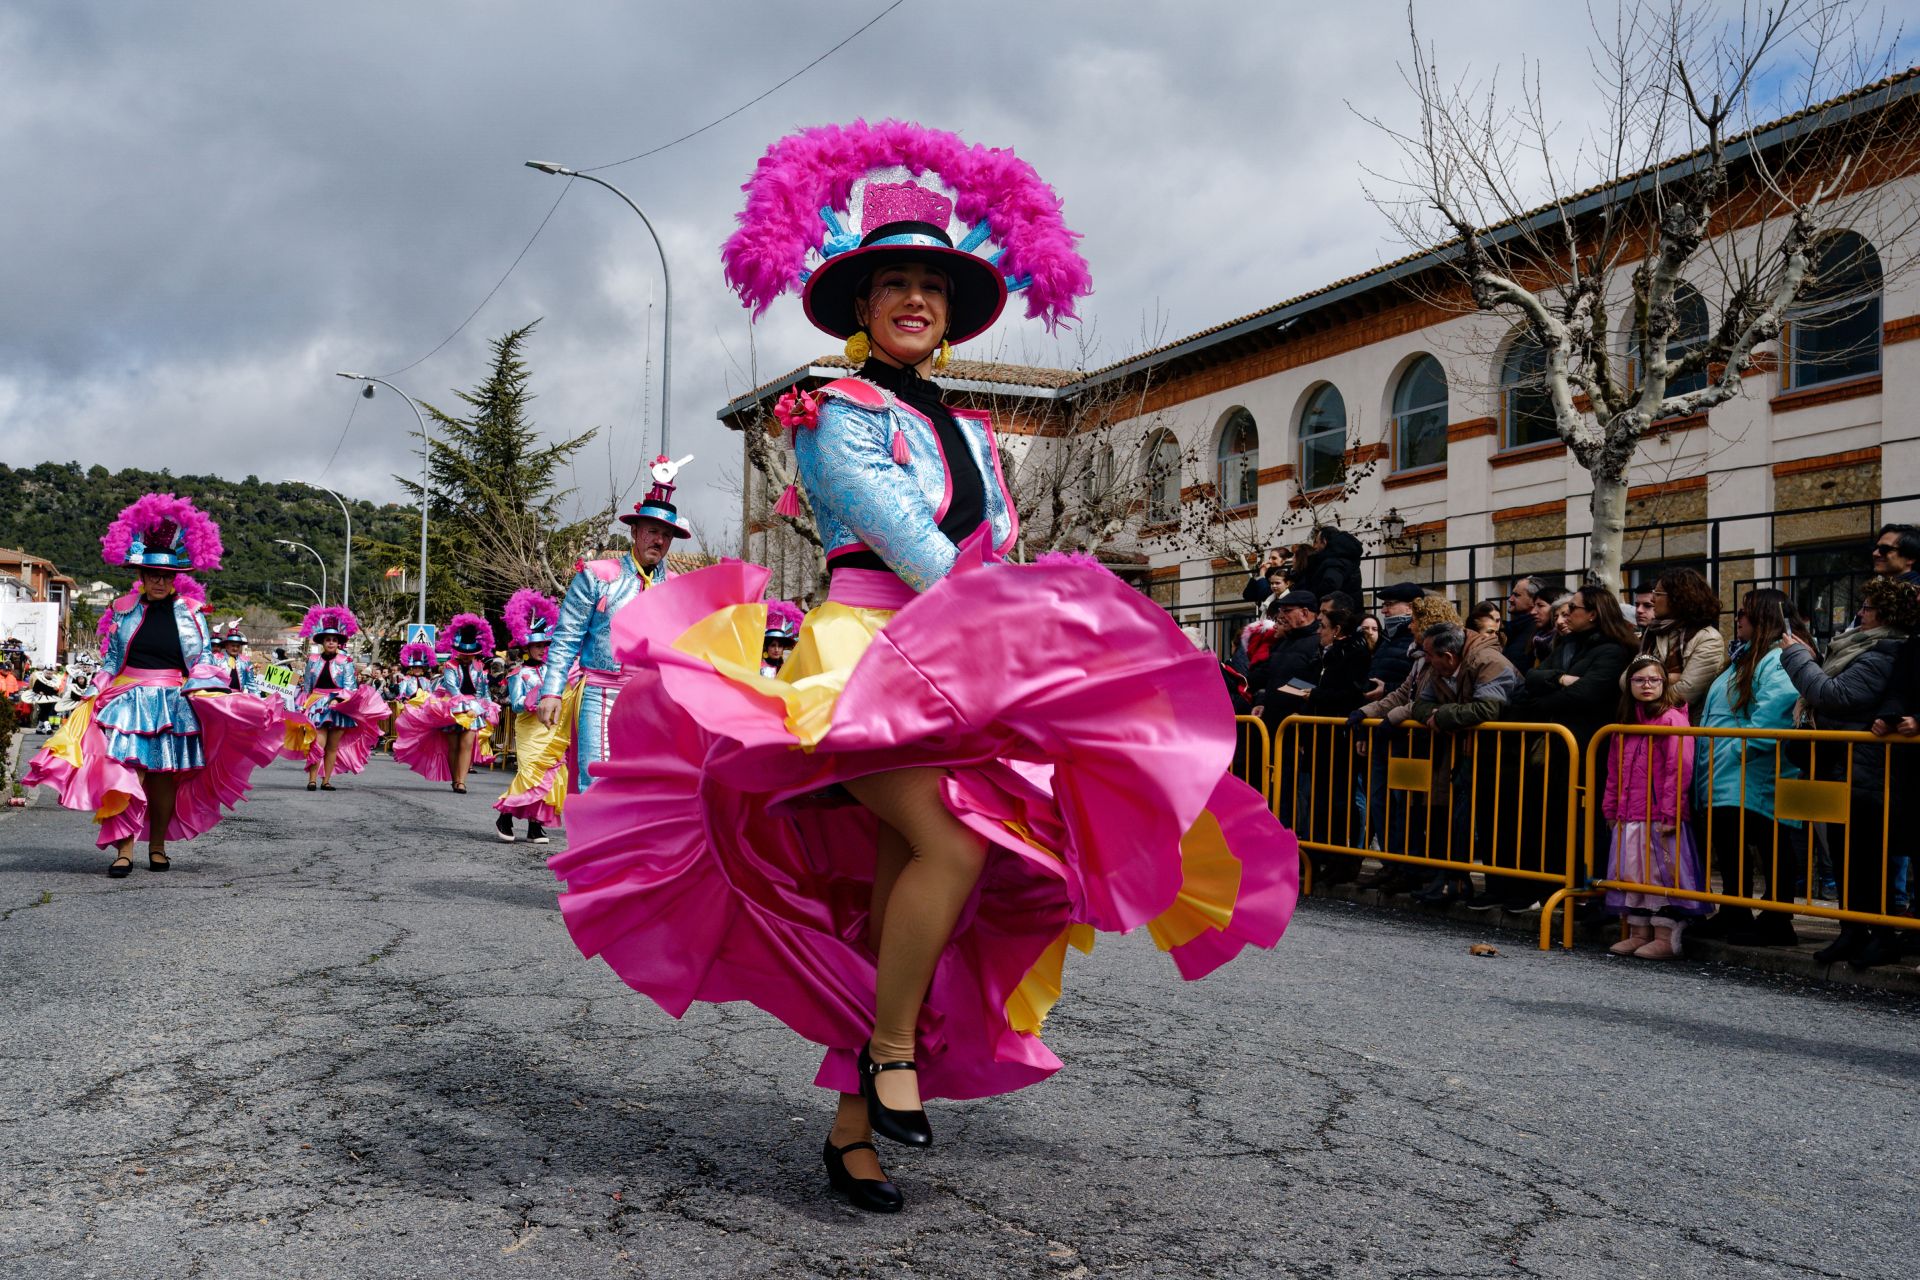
1163, 479
1420, 416
1323, 438
1526, 407
1238, 472
1833, 331
1689, 332
1100, 474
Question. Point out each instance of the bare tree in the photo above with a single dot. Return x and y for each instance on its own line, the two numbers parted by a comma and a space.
1562, 233
1225, 526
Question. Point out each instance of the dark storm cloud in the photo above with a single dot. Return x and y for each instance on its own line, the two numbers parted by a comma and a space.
212, 207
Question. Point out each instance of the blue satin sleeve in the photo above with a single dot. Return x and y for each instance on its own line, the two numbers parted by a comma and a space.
846, 464
115, 657
352, 680
576, 613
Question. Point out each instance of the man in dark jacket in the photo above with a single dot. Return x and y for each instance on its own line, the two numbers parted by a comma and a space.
1393, 656
1335, 564
1520, 624
1294, 654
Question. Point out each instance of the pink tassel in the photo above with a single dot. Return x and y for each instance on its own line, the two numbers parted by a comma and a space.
900, 454
789, 504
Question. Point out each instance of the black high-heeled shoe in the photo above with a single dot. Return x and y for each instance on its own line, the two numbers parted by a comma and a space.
862, 1193
909, 1128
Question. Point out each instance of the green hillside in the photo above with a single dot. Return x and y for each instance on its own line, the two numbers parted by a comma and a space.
59, 510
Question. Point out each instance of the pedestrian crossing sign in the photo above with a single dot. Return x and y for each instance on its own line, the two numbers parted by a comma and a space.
421, 632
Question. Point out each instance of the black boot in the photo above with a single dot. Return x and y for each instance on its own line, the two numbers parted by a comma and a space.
1772, 929
1883, 946
1723, 923
1847, 944
536, 834
503, 826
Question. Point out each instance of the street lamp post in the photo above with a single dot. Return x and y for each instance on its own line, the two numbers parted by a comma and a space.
285, 582
288, 542
426, 459
666, 275
346, 574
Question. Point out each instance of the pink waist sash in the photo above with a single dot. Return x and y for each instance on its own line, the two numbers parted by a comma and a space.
869, 589
139, 678
602, 679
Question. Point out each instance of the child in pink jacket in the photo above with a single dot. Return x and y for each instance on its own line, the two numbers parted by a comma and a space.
1645, 803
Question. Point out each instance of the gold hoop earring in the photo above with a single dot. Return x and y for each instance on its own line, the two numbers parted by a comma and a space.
859, 347
945, 357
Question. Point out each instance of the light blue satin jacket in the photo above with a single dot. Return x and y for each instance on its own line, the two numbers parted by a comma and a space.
345, 678
524, 686
194, 644
410, 685
224, 662
448, 683
600, 589
864, 500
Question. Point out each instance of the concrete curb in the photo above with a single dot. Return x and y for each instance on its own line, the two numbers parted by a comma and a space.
11, 775
1797, 962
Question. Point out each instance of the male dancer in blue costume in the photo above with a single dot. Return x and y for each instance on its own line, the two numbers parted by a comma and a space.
600, 589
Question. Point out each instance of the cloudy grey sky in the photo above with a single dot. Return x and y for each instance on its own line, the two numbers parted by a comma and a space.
211, 207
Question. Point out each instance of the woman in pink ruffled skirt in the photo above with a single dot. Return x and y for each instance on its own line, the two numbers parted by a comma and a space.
966, 765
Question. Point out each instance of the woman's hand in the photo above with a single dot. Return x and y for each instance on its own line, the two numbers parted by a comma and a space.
1907, 727
1665, 828
1879, 729
1569, 680
1789, 640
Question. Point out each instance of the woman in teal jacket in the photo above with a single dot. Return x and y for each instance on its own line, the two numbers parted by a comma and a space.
1734, 777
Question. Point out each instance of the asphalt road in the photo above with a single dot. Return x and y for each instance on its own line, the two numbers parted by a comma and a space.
347, 1036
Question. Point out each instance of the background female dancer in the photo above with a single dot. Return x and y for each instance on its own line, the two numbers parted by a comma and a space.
335, 719
448, 734
538, 791
1011, 798
158, 747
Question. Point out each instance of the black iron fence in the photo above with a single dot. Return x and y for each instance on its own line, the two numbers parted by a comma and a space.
1823, 574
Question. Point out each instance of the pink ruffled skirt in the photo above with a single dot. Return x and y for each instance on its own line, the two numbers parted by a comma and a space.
420, 738
238, 734
1084, 737
304, 742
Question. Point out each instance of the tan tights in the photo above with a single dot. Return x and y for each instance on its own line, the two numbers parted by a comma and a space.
925, 869
329, 751
160, 789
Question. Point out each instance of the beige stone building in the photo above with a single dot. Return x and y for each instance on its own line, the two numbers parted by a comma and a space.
1384, 405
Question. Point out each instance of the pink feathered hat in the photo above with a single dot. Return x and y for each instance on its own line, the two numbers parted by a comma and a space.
531, 618
470, 633
912, 194
416, 653
161, 531
329, 620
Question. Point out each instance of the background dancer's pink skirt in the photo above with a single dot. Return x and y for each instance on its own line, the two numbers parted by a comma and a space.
368, 711
238, 734
715, 859
420, 738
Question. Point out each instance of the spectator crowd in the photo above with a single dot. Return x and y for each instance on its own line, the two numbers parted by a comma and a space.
1413, 679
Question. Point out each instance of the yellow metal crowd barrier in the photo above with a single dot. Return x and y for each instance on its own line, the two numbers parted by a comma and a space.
1502, 800
1759, 826
1253, 755
1524, 802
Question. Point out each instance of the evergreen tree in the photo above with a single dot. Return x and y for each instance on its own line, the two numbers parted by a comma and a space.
497, 508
